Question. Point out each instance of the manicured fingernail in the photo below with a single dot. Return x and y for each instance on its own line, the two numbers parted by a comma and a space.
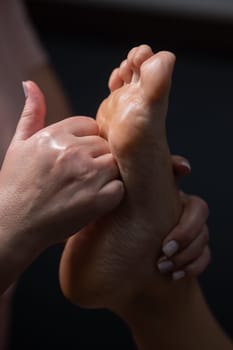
165, 266
186, 164
178, 275
170, 248
25, 88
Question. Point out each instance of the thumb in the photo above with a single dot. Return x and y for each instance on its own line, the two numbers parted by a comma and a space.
33, 116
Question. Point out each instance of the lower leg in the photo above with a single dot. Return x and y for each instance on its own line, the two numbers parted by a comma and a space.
179, 319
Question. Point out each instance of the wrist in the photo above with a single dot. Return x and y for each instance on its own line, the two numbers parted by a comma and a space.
18, 249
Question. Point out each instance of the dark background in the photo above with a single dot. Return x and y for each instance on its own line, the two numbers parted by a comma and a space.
85, 44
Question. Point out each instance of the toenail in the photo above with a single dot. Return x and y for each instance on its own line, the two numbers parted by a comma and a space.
170, 248
178, 275
165, 266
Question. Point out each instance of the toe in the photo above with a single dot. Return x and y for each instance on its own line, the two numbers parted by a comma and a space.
132, 53
136, 57
125, 72
156, 75
115, 82
140, 55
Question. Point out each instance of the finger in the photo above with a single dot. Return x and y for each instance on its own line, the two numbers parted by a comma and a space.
33, 115
110, 196
78, 126
194, 216
95, 146
196, 267
165, 266
107, 168
181, 166
200, 264
193, 251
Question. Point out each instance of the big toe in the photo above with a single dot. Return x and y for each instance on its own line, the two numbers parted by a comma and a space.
156, 76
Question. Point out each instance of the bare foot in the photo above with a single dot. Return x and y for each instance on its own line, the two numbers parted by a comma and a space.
107, 261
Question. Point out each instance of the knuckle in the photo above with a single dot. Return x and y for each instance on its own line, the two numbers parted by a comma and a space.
200, 203
42, 146
184, 235
195, 202
43, 137
199, 266
87, 120
67, 154
184, 258
73, 152
77, 160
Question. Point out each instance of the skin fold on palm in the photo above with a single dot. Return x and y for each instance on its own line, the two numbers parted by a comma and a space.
113, 259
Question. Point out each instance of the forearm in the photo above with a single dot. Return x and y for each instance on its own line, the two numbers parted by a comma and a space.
179, 319
17, 252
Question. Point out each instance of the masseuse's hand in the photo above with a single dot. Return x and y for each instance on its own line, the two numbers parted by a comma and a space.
57, 179
53, 181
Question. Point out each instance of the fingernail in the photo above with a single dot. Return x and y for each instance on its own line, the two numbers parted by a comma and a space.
25, 88
178, 275
165, 266
170, 248
186, 164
